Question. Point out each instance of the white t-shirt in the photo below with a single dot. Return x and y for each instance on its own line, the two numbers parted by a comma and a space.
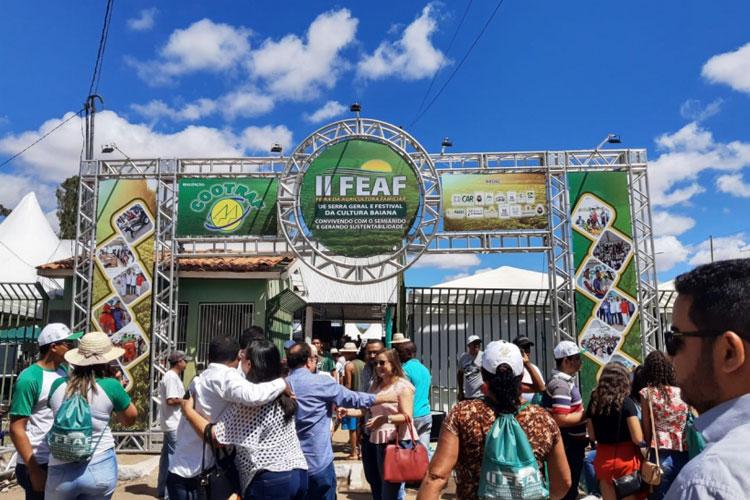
170, 387
340, 365
527, 380
214, 390
110, 397
30, 400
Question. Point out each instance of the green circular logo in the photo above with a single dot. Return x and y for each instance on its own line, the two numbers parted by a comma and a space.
359, 198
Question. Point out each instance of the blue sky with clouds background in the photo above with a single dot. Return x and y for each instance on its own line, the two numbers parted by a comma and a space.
203, 79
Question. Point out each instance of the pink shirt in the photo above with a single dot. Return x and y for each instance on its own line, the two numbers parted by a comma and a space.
386, 433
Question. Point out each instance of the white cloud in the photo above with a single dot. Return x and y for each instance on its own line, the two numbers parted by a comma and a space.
13, 187
145, 22
54, 222
262, 138
736, 246
203, 46
448, 261
673, 176
239, 103
295, 68
732, 68
328, 111
669, 252
733, 184
693, 109
454, 277
411, 57
669, 224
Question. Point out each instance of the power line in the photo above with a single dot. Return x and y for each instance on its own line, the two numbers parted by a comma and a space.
434, 77
100, 52
458, 67
40, 139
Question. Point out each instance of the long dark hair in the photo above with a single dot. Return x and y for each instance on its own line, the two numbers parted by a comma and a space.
265, 366
660, 373
611, 391
505, 389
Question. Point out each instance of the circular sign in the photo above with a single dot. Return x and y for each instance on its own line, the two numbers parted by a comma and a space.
359, 198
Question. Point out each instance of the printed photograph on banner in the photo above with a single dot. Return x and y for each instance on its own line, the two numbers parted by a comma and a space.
134, 222
131, 283
616, 311
612, 250
116, 370
131, 339
627, 361
115, 256
596, 278
112, 316
600, 340
591, 216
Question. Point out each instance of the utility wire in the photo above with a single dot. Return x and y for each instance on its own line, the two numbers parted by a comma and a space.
40, 139
458, 67
100, 52
445, 54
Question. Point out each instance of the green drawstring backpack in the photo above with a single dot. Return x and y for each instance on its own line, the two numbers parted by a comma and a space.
509, 468
72, 432
695, 440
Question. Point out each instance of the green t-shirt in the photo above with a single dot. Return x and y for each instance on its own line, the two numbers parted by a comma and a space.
326, 364
30, 399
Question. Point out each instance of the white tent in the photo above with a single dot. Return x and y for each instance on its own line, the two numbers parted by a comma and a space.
351, 331
505, 277
27, 241
375, 331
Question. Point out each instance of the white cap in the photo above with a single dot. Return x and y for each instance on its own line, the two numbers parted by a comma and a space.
500, 352
55, 332
567, 348
473, 338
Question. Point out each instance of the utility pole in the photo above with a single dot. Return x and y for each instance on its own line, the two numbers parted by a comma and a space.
711, 241
90, 107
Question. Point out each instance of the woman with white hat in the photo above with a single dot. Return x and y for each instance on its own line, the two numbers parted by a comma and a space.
96, 477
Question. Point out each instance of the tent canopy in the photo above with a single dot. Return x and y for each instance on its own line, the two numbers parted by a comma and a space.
504, 277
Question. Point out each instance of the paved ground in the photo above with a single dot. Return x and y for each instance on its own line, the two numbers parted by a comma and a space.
145, 487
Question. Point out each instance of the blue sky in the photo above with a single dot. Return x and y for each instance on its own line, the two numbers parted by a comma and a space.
231, 78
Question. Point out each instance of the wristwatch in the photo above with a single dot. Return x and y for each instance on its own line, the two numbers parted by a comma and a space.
389, 419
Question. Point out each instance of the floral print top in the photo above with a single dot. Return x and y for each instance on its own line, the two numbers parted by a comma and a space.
669, 417
471, 420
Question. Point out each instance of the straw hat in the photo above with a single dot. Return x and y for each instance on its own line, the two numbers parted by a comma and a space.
349, 347
94, 348
399, 338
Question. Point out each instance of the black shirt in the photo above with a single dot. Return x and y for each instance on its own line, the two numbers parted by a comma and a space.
606, 427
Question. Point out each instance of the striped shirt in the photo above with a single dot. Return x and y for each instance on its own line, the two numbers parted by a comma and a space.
564, 397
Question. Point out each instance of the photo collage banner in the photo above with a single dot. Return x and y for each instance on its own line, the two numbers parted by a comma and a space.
605, 274
123, 277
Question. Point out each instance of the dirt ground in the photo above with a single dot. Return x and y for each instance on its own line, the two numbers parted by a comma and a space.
139, 489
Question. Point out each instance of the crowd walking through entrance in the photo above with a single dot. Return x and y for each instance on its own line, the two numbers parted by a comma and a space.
257, 422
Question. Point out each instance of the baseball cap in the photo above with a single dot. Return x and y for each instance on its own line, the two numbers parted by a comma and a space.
500, 352
288, 344
56, 332
177, 356
472, 339
567, 348
522, 340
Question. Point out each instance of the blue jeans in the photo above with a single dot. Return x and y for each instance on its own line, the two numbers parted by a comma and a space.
287, 485
672, 463
372, 461
167, 450
589, 476
322, 485
182, 488
88, 480
24, 480
424, 429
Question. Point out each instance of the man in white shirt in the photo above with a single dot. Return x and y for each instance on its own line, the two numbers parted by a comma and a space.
171, 391
213, 391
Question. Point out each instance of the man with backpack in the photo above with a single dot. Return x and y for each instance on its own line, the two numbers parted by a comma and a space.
30, 417
563, 400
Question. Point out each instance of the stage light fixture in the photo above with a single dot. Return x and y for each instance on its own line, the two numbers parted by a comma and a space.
447, 143
355, 107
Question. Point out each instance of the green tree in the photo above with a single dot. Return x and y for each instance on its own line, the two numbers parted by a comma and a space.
67, 207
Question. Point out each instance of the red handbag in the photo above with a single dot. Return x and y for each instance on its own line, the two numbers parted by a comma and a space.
405, 465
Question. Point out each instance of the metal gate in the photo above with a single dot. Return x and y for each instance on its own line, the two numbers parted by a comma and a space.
217, 319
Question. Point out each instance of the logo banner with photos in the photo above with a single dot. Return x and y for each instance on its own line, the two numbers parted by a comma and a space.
605, 274
226, 207
487, 202
123, 276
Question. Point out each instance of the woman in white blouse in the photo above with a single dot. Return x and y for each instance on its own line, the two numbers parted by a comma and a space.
269, 458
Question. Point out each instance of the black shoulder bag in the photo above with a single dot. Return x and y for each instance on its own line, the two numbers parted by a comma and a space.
633, 482
222, 480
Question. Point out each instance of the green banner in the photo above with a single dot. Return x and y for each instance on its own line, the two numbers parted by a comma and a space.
359, 198
486, 202
226, 207
123, 274
606, 289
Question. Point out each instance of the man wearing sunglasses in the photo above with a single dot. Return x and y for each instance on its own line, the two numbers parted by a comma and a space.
710, 347
30, 417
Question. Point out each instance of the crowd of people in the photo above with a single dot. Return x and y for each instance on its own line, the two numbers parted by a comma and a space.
685, 412
612, 253
601, 345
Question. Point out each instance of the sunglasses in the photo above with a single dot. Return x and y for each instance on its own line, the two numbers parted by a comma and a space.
673, 342
380, 362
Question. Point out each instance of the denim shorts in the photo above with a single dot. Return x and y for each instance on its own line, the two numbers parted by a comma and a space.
96, 478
